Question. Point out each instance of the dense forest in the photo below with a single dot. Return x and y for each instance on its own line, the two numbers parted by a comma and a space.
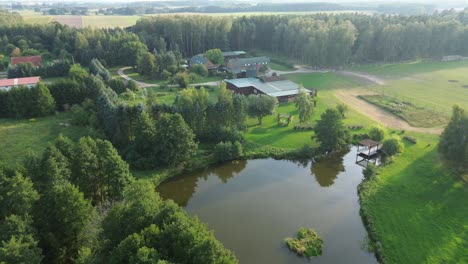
321, 40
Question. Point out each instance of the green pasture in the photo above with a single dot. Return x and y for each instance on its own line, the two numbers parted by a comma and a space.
419, 208
438, 88
416, 116
18, 137
400, 70
100, 21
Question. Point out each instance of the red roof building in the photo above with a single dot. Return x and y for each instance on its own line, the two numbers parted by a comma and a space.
35, 60
7, 84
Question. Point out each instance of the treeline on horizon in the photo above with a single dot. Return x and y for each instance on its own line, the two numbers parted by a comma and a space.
323, 40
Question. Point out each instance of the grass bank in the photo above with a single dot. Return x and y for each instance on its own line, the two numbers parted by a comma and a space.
416, 208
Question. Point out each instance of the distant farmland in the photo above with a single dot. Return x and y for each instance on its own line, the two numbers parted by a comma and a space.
71, 21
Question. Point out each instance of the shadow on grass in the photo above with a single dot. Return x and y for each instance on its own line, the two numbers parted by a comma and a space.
420, 213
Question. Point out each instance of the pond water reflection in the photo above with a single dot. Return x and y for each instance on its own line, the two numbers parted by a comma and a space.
253, 205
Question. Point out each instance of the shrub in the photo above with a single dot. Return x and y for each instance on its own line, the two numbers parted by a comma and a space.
410, 139
165, 75
200, 69
377, 133
370, 171
225, 151
306, 244
392, 146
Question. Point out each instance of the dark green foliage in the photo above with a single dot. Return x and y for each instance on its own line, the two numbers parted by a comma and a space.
99, 171
118, 85
370, 171
199, 69
259, 106
96, 68
162, 142
78, 73
392, 146
162, 230
24, 102
377, 133
61, 217
453, 143
132, 52
68, 92
304, 106
225, 151
215, 56
306, 244
56, 69
181, 79
17, 194
330, 131
147, 64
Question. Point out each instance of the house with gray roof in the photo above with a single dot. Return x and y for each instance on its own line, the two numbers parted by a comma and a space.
283, 90
246, 67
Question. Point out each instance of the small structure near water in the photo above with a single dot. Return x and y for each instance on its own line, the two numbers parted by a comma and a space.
368, 151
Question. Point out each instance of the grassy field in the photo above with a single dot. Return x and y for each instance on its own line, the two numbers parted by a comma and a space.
419, 208
436, 86
18, 137
109, 21
280, 67
415, 115
400, 70
269, 133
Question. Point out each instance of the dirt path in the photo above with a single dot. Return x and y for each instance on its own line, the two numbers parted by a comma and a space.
367, 77
122, 74
297, 69
350, 97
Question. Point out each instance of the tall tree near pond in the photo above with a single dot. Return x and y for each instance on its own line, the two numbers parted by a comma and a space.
192, 103
259, 106
304, 106
331, 132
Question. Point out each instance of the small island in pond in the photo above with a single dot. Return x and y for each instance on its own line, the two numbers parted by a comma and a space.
307, 243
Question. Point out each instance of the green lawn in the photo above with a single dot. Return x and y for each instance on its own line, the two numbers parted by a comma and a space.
18, 137
132, 73
269, 133
280, 67
400, 70
419, 209
438, 88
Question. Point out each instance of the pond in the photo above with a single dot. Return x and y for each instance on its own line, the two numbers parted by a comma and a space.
252, 206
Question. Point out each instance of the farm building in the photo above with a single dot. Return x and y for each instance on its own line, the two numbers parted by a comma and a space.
283, 90
246, 67
35, 60
7, 84
228, 55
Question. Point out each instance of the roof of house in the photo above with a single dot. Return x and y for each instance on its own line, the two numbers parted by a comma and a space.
200, 59
368, 143
241, 64
19, 81
35, 60
275, 88
234, 53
